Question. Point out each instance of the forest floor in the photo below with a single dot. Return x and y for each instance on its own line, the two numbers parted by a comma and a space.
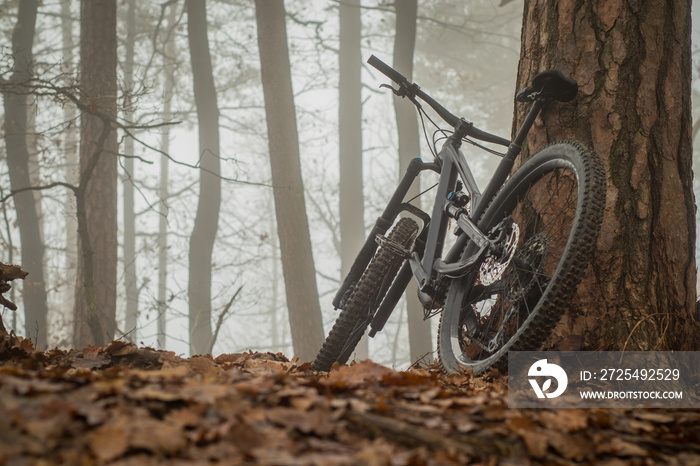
124, 405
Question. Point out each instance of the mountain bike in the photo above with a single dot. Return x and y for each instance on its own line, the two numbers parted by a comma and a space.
521, 247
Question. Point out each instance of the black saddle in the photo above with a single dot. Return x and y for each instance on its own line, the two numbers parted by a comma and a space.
549, 85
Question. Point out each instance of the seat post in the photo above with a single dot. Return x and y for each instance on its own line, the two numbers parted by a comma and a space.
535, 110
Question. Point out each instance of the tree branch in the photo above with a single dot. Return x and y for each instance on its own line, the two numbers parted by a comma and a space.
220, 320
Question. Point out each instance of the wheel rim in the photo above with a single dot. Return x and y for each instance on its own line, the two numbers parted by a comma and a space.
544, 210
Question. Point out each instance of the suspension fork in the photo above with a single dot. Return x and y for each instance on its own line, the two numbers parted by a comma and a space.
395, 291
383, 223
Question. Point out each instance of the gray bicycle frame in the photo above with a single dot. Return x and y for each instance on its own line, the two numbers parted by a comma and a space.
425, 263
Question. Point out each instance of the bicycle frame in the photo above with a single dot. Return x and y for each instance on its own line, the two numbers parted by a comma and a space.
425, 263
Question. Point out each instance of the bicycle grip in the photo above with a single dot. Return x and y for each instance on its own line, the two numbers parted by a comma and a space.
386, 70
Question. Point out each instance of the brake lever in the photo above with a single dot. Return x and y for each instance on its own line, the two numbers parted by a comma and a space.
395, 91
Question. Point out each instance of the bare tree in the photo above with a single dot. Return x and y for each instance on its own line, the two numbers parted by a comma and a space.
131, 288
632, 63
419, 335
15, 102
352, 226
70, 148
163, 189
97, 197
206, 221
292, 222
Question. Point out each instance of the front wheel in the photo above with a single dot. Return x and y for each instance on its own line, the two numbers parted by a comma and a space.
366, 296
548, 215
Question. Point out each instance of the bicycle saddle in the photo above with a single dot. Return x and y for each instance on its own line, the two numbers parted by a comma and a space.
549, 85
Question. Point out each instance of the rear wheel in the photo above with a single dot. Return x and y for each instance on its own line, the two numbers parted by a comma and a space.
548, 215
366, 296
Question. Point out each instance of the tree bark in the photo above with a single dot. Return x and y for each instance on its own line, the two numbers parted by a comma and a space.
632, 63
163, 189
97, 196
352, 226
292, 223
15, 102
130, 278
207, 219
419, 334
70, 149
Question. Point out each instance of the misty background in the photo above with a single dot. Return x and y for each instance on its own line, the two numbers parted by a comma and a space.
466, 56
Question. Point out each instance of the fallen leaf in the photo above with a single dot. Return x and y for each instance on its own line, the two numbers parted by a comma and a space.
571, 447
120, 348
156, 436
565, 420
204, 366
620, 447
357, 374
653, 416
109, 442
307, 422
532, 435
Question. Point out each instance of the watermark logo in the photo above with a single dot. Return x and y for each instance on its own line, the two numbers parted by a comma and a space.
542, 368
603, 379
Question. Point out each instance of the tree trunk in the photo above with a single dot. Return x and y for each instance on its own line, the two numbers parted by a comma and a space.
292, 223
70, 149
163, 189
419, 334
15, 101
97, 197
352, 226
34, 165
275, 278
131, 288
207, 219
632, 63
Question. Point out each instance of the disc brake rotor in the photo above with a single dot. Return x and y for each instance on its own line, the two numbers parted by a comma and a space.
493, 267
532, 254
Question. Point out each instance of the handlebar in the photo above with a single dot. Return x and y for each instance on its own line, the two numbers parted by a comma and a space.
445, 114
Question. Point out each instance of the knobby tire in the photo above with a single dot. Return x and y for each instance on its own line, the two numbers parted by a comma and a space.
560, 188
365, 298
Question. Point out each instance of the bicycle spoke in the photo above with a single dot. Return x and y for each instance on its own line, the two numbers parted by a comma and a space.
545, 220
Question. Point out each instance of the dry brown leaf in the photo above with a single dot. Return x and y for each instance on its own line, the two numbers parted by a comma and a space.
152, 392
204, 366
565, 420
91, 351
109, 442
571, 447
316, 422
166, 373
533, 436
409, 378
654, 416
378, 453
535, 442
120, 348
265, 367
260, 408
156, 436
689, 459
357, 374
186, 417
24, 386
205, 393
620, 447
